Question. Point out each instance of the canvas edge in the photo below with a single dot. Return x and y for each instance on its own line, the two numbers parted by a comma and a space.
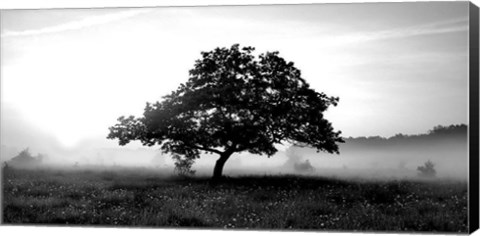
473, 207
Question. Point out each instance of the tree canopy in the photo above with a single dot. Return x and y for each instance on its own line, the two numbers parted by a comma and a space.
234, 102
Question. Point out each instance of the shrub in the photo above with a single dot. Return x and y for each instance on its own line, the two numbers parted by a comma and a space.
427, 170
26, 160
303, 166
183, 166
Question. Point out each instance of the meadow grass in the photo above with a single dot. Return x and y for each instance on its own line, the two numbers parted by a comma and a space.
130, 198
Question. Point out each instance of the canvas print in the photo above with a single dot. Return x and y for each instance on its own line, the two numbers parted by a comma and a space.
325, 117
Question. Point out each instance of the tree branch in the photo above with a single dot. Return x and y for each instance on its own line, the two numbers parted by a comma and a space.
207, 149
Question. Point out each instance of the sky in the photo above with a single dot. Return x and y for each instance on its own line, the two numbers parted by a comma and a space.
396, 67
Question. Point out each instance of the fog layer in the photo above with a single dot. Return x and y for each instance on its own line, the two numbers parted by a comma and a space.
372, 157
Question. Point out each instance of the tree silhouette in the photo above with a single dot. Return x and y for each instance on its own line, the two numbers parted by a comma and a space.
26, 160
427, 170
234, 102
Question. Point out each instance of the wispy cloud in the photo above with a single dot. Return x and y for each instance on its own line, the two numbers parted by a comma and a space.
441, 27
76, 25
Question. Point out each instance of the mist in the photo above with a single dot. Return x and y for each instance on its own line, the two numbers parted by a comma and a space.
18, 134
396, 157
360, 157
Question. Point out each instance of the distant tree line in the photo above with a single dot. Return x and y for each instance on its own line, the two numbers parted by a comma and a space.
439, 130
456, 131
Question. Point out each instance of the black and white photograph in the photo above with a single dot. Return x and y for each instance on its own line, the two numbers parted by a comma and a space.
321, 117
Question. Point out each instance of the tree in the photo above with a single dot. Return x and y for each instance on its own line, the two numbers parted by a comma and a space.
303, 167
234, 102
25, 160
427, 170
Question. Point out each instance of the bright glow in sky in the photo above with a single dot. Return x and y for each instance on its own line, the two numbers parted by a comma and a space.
397, 67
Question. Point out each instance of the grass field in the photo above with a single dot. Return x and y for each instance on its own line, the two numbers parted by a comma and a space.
130, 198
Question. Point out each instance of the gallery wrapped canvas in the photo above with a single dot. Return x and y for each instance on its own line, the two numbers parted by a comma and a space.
302, 117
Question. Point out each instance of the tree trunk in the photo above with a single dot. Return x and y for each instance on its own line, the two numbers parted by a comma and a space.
218, 169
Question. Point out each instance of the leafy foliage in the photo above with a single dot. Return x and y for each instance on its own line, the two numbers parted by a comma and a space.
235, 102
